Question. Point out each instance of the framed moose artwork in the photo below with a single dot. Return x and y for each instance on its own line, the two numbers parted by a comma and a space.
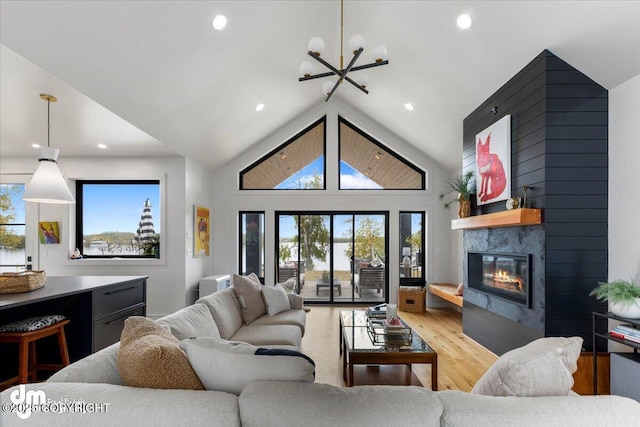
493, 162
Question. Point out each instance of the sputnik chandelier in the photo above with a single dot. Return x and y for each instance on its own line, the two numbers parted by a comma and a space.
356, 45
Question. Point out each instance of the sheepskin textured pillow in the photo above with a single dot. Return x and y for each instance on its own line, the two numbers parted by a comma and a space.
151, 357
543, 367
231, 365
249, 295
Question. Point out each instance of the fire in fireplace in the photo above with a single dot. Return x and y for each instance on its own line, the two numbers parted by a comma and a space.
505, 276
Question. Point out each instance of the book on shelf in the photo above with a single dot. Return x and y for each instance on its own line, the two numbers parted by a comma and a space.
627, 332
627, 329
623, 336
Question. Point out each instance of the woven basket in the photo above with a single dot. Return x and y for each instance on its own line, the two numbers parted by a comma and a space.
11, 283
411, 299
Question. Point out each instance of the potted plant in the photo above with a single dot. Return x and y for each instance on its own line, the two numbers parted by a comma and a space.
624, 297
152, 246
458, 189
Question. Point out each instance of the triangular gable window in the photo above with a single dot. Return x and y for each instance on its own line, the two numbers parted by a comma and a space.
298, 164
365, 164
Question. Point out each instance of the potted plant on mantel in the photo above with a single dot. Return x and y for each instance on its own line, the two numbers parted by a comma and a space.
624, 297
459, 189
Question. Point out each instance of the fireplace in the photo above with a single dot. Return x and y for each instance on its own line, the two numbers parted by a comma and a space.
505, 276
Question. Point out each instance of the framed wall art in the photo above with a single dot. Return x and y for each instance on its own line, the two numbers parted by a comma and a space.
201, 231
49, 232
493, 162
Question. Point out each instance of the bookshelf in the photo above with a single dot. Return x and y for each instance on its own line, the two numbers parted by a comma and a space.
634, 345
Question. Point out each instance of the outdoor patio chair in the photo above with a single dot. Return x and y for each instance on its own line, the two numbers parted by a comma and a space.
371, 278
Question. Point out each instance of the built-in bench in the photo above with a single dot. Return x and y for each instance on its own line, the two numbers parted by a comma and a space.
446, 291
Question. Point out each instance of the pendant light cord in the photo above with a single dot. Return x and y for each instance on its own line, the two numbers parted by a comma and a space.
48, 122
341, 34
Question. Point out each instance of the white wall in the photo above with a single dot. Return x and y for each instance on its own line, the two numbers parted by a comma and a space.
624, 181
198, 191
166, 284
229, 201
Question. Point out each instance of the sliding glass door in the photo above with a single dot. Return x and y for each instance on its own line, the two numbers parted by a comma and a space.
332, 257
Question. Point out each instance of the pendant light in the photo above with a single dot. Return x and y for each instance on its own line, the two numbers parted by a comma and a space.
47, 184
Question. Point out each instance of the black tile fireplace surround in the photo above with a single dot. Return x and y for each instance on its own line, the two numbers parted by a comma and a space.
498, 322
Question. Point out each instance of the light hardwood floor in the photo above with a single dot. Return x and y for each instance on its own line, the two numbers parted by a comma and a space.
461, 361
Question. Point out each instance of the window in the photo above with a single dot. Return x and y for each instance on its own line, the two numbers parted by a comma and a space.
118, 218
298, 164
333, 257
411, 250
252, 244
12, 227
365, 164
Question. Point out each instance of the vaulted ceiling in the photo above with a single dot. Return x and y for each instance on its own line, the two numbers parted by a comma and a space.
154, 77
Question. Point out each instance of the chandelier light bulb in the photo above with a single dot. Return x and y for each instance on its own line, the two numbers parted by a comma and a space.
379, 53
328, 87
316, 45
363, 81
219, 22
464, 21
356, 42
306, 69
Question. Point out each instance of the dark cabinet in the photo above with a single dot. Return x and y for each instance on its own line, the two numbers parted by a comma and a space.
112, 305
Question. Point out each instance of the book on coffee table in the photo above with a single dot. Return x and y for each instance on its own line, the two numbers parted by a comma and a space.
393, 324
377, 311
396, 327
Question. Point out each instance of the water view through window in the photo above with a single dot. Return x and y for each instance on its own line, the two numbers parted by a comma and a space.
118, 219
12, 227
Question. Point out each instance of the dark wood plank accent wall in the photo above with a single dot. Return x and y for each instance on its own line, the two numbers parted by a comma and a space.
559, 128
524, 98
576, 198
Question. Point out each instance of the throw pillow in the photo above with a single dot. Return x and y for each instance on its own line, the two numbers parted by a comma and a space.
276, 299
229, 366
150, 357
249, 295
543, 367
192, 321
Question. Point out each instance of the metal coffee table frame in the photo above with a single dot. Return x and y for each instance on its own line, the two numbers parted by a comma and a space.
355, 327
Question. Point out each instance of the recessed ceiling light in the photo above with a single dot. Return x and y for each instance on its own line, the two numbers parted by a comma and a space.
464, 21
102, 146
259, 107
35, 145
408, 106
219, 22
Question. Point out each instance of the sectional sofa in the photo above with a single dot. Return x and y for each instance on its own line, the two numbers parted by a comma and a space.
90, 392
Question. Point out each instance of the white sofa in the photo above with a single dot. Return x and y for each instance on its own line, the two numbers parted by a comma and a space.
94, 395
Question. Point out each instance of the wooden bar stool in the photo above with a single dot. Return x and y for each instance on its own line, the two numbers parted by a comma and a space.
26, 333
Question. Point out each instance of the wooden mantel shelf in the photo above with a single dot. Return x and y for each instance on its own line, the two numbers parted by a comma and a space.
510, 218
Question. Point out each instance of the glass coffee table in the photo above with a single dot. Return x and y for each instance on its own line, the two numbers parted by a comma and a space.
359, 345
